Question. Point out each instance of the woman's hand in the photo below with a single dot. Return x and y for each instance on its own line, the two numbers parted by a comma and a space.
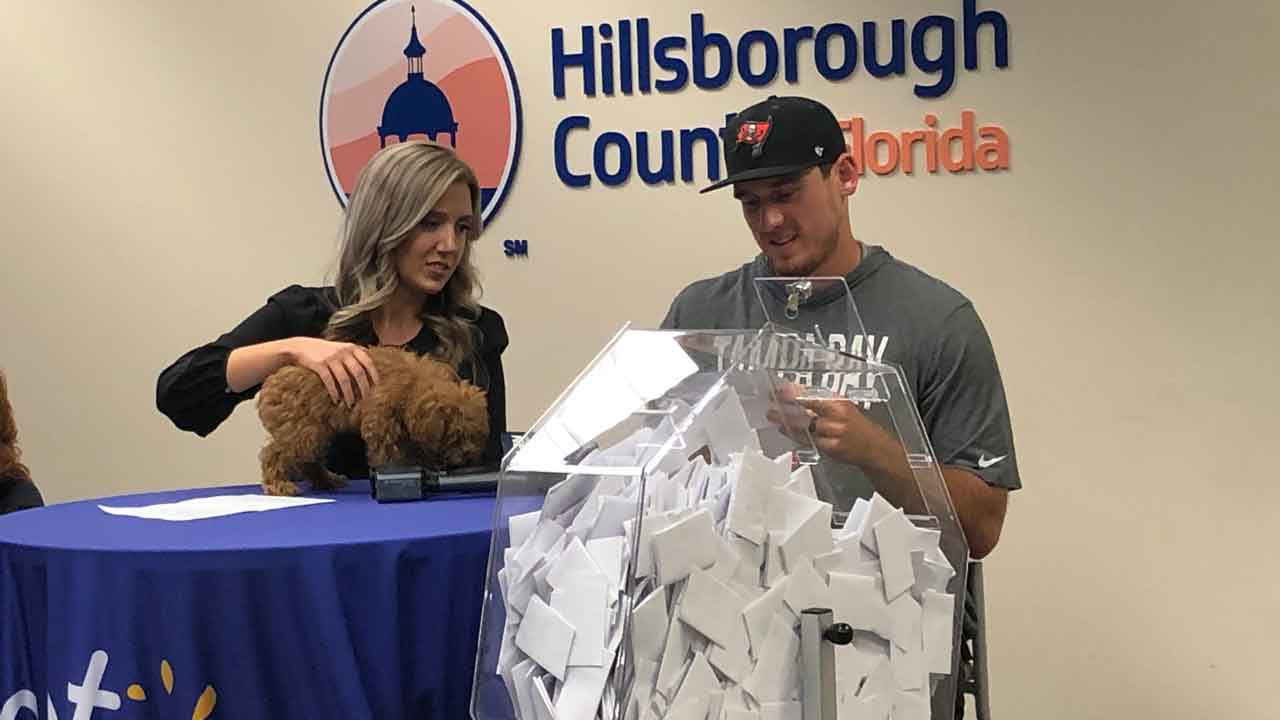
346, 369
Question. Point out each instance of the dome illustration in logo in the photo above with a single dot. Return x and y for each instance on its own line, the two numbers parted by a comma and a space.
421, 69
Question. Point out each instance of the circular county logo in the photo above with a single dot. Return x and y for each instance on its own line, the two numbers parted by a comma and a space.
421, 69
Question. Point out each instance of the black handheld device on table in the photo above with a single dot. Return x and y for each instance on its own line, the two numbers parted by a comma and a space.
403, 483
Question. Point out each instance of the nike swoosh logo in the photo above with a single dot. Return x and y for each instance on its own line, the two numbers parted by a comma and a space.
984, 462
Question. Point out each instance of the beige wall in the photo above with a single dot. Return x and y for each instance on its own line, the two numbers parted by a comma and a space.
162, 175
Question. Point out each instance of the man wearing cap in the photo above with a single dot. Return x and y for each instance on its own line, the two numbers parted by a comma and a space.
791, 172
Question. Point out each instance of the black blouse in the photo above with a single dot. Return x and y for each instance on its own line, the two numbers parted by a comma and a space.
18, 494
193, 392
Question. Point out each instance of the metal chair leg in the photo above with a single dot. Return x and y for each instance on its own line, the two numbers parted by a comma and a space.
974, 679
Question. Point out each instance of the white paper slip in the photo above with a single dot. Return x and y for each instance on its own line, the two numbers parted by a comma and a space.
583, 601
211, 507
546, 636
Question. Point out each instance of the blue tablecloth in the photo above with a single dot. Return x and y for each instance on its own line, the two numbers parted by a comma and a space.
348, 609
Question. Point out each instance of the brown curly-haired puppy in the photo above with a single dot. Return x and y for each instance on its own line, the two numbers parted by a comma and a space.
419, 412
11, 468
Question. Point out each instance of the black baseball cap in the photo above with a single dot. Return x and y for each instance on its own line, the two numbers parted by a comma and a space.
779, 136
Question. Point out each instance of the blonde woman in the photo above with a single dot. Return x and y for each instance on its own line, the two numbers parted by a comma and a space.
406, 277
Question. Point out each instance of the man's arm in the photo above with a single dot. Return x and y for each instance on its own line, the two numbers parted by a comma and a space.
979, 506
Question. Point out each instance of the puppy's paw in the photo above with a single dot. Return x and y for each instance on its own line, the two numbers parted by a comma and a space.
285, 488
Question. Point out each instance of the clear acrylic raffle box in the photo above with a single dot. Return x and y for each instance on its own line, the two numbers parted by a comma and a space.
662, 528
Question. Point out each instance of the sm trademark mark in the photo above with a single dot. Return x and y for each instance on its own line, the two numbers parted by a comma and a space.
515, 248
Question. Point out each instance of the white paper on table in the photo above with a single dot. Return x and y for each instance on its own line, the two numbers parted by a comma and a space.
210, 507
546, 637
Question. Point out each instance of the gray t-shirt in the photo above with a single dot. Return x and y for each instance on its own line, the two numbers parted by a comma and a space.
911, 320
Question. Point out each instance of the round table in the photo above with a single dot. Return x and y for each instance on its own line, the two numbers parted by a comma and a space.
349, 609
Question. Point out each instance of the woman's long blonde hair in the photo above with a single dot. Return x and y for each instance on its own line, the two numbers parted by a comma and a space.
396, 190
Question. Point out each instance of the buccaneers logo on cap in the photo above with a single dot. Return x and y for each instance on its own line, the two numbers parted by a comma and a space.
754, 133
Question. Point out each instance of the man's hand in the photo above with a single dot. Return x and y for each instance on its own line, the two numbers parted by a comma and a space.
843, 432
838, 428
